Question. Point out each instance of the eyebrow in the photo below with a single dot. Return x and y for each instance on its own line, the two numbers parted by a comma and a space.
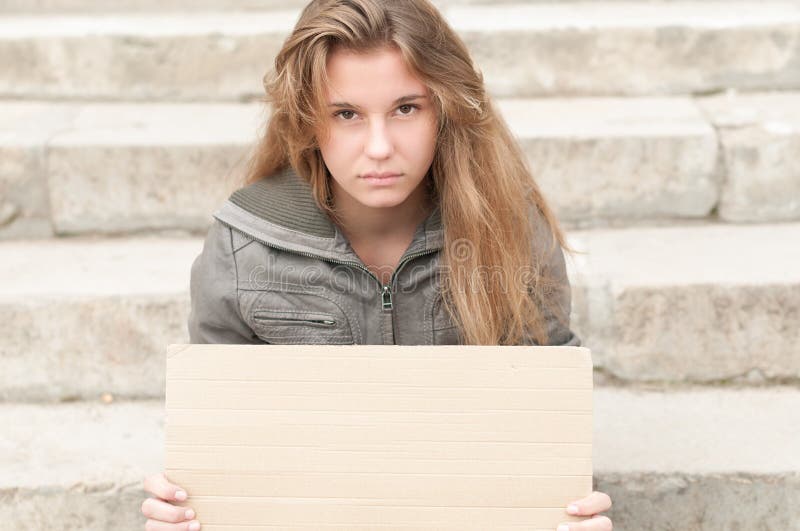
410, 97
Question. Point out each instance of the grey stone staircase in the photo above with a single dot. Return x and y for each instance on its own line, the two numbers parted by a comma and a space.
666, 135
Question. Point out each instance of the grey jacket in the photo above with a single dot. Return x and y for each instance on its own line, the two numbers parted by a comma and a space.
275, 269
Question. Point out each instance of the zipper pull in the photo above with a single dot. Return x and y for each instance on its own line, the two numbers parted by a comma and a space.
387, 298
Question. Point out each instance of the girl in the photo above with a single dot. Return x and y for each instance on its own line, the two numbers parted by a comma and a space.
388, 203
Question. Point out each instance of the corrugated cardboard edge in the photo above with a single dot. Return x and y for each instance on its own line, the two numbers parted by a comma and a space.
175, 349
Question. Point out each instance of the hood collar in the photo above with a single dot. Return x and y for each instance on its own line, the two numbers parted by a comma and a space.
280, 211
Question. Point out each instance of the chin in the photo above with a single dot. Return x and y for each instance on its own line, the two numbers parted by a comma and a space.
383, 201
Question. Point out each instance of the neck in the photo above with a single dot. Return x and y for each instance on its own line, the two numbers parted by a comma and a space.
364, 223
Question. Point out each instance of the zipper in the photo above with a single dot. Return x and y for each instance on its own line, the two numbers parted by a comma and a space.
386, 289
326, 322
389, 288
387, 298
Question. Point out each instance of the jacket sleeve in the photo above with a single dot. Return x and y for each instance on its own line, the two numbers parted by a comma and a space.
559, 307
558, 322
214, 316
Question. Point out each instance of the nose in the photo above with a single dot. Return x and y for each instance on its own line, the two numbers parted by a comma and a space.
379, 145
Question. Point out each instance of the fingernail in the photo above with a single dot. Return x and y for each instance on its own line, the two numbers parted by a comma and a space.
563, 527
194, 526
572, 509
189, 514
180, 495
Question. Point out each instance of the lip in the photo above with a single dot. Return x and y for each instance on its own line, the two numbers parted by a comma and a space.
373, 176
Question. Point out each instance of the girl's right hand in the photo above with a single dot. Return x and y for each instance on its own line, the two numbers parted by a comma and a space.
161, 514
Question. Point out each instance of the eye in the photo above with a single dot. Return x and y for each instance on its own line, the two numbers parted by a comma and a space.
341, 114
409, 107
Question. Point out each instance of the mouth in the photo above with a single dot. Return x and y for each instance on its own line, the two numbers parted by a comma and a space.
381, 179
379, 176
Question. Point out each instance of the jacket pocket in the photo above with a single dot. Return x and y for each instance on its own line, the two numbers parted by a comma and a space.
292, 318
445, 330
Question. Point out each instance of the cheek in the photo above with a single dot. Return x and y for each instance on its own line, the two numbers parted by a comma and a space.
350, 139
338, 149
424, 138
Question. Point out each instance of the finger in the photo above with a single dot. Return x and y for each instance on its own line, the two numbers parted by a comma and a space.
596, 523
155, 525
165, 512
596, 502
161, 487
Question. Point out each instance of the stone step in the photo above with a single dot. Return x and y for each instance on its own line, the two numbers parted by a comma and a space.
760, 137
83, 317
710, 304
659, 307
523, 49
704, 459
132, 6
78, 168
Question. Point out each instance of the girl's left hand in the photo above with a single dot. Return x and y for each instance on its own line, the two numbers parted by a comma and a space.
594, 503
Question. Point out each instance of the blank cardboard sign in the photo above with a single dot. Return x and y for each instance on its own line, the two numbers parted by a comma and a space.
384, 437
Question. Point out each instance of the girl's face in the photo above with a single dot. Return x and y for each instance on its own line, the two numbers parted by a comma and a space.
382, 121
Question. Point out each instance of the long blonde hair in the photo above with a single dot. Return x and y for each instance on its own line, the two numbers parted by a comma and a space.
489, 202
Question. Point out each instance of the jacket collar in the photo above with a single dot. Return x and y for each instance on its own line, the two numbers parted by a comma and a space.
280, 211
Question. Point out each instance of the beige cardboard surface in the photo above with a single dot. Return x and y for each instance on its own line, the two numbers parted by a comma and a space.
384, 437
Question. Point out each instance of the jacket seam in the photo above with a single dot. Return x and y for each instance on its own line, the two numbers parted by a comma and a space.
428, 319
245, 244
236, 280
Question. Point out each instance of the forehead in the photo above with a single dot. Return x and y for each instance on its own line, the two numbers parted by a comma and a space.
373, 79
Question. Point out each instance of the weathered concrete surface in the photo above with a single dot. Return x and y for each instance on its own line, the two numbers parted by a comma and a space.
118, 168
100, 6
700, 460
25, 129
130, 56
663, 502
658, 306
618, 159
690, 304
124, 168
78, 466
72, 168
82, 317
558, 48
574, 48
760, 139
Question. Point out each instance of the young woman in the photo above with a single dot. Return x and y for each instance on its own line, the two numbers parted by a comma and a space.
387, 203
